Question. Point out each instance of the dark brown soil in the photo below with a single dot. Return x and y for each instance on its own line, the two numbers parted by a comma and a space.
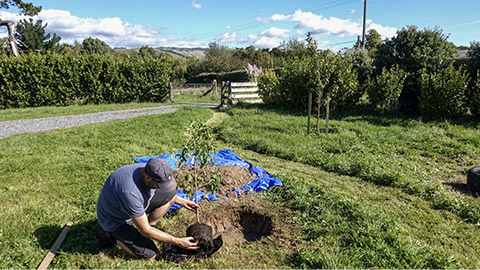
233, 177
237, 219
201, 233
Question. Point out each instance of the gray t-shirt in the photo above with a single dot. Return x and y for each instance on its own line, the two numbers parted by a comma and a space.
123, 196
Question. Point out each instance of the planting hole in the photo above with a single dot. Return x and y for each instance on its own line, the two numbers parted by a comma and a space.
255, 225
240, 225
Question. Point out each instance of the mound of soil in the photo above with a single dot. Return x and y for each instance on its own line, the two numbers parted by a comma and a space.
233, 177
236, 219
230, 218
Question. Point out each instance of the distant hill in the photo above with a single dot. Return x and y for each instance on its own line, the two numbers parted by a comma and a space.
184, 52
174, 51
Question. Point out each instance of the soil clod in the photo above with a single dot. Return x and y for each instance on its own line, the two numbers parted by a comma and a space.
203, 234
207, 245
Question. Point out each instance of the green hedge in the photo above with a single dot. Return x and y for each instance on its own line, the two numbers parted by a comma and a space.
233, 76
443, 92
34, 80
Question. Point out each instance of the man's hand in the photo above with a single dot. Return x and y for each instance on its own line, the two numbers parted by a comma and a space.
187, 243
156, 234
192, 206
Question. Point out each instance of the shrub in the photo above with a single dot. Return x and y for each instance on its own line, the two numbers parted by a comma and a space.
385, 89
325, 74
299, 77
42, 80
473, 97
414, 50
443, 92
268, 88
473, 54
361, 62
342, 84
233, 76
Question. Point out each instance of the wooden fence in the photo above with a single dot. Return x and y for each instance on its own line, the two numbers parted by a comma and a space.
234, 92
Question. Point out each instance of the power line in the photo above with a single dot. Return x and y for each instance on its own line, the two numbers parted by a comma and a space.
341, 43
255, 24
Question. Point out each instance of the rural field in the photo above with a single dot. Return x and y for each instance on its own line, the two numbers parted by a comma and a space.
339, 139
376, 192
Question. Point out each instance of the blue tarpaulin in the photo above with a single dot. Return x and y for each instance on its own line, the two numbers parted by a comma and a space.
224, 158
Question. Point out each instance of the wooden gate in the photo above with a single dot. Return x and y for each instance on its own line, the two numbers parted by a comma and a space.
234, 92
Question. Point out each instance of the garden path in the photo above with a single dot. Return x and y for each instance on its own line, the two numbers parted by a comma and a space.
9, 128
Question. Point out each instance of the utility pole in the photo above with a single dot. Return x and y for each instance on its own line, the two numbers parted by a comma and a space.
364, 22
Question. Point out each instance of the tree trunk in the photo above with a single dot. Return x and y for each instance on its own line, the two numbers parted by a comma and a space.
327, 117
196, 187
309, 111
319, 104
11, 35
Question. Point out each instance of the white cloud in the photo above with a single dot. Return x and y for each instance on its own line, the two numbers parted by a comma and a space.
226, 38
275, 32
196, 5
352, 11
119, 33
268, 42
114, 31
247, 41
332, 26
384, 31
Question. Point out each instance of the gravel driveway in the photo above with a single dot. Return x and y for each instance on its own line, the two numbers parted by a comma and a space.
9, 128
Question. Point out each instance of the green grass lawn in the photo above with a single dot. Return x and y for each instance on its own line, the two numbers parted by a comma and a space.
378, 192
424, 159
196, 95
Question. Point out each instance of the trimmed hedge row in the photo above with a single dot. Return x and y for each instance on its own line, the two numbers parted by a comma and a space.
41, 80
233, 76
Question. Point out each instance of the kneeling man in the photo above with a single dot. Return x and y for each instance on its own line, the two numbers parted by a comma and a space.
132, 200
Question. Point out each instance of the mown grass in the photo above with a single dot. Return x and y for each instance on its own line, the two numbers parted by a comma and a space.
49, 178
336, 221
419, 158
196, 95
349, 223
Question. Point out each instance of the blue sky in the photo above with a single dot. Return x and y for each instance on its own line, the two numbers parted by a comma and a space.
264, 24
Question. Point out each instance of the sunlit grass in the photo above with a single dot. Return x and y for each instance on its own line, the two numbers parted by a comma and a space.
337, 214
196, 95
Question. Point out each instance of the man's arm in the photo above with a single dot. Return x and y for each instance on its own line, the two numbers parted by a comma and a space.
189, 205
156, 234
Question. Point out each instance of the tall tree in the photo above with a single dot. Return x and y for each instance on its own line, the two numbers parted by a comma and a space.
95, 46
147, 52
25, 8
34, 37
414, 50
473, 64
374, 40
